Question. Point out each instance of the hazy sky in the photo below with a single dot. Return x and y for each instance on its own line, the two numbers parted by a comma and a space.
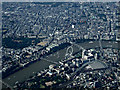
60, 0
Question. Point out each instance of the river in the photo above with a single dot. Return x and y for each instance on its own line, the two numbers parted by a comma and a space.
40, 65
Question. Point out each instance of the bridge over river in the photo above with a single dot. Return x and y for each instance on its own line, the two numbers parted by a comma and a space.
42, 64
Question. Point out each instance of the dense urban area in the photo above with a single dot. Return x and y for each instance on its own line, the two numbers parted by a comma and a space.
74, 43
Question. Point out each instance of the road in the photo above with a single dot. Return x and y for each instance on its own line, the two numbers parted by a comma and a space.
7, 85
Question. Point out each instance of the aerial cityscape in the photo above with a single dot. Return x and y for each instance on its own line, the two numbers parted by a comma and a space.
60, 45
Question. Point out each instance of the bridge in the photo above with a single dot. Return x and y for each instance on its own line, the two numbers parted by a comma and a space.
101, 49
2, 82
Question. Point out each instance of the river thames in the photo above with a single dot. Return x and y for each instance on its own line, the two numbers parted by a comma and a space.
57, 56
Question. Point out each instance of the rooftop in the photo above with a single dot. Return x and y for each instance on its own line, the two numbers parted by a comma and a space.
97, 65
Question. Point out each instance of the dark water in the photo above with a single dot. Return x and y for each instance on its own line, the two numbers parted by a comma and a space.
96, 44
33, 68
40, 65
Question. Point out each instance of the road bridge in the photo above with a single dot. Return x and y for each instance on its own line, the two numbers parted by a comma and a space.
11, 88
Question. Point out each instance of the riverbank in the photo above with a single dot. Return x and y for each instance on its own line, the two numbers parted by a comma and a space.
40, 65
